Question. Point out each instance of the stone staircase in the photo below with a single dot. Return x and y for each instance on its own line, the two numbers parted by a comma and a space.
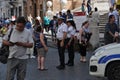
102, 23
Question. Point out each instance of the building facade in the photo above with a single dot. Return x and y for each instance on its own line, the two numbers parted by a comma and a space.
38, 8
10, 8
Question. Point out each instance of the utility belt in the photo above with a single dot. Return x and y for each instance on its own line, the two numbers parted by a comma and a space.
68, 39
59, 39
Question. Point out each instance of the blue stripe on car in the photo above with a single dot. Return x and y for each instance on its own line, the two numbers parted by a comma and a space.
104, 59
101, 59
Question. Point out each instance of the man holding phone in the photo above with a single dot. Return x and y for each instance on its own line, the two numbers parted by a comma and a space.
20, 40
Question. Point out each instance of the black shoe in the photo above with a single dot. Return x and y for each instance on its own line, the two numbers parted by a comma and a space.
70, 64
66, 63
60, 67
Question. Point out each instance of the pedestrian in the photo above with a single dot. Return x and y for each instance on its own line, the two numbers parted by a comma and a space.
64, 16
83, 6
36, 24
110, 29
112, 2
69, 15
61, 42
89, 6
60, 14
29, 27
46, 23
96, 16
70, 42
41, 45
53, 27
110, 11
115, 13
20, 40
85, 36
12, 24
4, 29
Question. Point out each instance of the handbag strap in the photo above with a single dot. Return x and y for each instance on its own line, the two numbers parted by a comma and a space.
10, 34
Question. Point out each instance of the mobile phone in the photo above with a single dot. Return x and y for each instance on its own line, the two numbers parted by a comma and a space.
13, 42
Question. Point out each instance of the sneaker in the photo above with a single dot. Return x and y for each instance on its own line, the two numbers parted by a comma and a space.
32, 56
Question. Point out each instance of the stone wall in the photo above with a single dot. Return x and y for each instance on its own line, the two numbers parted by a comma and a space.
31, 4
71, 4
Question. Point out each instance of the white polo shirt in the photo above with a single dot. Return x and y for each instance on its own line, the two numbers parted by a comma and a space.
19, 52
61, 29
71, 32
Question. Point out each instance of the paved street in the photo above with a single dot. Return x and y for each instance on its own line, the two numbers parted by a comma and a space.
37, 8
78, 72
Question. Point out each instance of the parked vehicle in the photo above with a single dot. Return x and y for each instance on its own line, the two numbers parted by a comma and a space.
106, 62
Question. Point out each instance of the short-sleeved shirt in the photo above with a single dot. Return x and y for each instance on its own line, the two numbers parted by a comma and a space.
69, 16
61, 29
110, 27
18, 52
71, 31
95, 16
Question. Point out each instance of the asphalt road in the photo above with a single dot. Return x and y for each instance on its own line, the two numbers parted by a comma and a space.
80, 71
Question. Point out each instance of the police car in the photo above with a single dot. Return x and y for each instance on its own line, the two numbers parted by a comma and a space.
106, 62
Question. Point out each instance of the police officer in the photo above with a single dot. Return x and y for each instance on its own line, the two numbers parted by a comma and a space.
70, 41
61, 41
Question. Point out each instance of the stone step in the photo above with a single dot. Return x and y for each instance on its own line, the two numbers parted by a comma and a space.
102, 22
102, 17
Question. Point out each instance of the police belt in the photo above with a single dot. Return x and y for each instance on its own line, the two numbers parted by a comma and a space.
59, 38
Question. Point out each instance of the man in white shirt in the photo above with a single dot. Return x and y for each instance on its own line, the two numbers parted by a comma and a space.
116, 14
61, 38
20, 40
96, 16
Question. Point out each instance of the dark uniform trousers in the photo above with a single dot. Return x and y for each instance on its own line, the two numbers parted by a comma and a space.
70, 51
61, 51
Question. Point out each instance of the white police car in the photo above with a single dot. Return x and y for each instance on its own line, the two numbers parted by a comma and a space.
106, 62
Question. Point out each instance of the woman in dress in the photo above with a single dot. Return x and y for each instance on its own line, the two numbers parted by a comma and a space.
41, 45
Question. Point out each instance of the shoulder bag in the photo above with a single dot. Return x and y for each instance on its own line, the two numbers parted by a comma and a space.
4, 50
